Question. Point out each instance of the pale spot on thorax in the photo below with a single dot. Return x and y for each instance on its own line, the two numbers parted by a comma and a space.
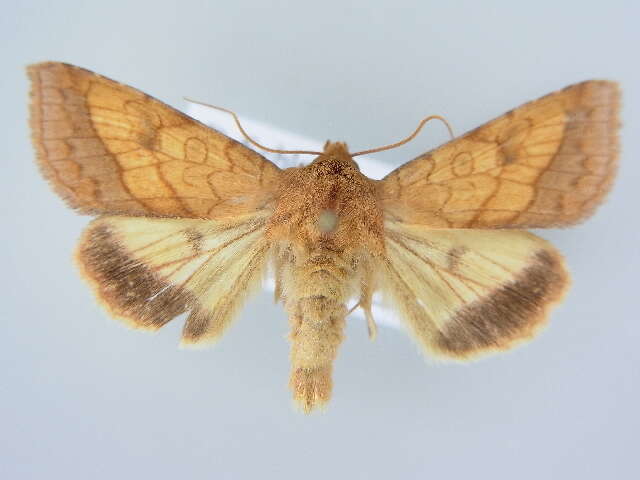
327, 221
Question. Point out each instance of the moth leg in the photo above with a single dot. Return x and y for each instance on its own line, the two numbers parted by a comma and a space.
365, 304
372, 328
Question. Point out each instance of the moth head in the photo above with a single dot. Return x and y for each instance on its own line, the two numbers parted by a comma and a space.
336, 154
336, 148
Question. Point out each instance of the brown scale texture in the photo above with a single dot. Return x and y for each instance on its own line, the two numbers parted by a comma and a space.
108, 148
322, 264
128, 287
547, 163
514, 312
190, 219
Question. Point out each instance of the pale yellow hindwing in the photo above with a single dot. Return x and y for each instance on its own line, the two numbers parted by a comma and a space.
547, 163
146, 271
463, 293
107, 148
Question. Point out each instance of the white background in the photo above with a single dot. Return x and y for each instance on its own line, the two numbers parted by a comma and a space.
83, 397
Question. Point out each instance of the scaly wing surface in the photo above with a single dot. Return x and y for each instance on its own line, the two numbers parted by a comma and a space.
107, 148
146, 271
548, 163
463, 293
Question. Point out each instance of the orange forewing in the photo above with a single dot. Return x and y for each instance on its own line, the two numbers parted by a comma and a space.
109, 148
547, 163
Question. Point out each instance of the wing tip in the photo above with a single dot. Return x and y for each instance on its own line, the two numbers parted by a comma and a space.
37, 137
612, 93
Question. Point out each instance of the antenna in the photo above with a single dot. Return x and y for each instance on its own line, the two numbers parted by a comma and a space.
308, 152
410, 137
246, 135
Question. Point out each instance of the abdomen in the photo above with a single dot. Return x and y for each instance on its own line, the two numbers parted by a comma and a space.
315, 287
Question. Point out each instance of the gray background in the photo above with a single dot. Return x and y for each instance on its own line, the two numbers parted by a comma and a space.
83, 397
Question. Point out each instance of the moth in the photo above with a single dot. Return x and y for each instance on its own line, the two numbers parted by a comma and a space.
189, 221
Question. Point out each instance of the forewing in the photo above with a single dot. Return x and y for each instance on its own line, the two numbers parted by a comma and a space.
109, 148
463, 293
146, 271
547, 163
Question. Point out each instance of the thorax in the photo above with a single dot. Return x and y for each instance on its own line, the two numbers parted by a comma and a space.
327, 206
